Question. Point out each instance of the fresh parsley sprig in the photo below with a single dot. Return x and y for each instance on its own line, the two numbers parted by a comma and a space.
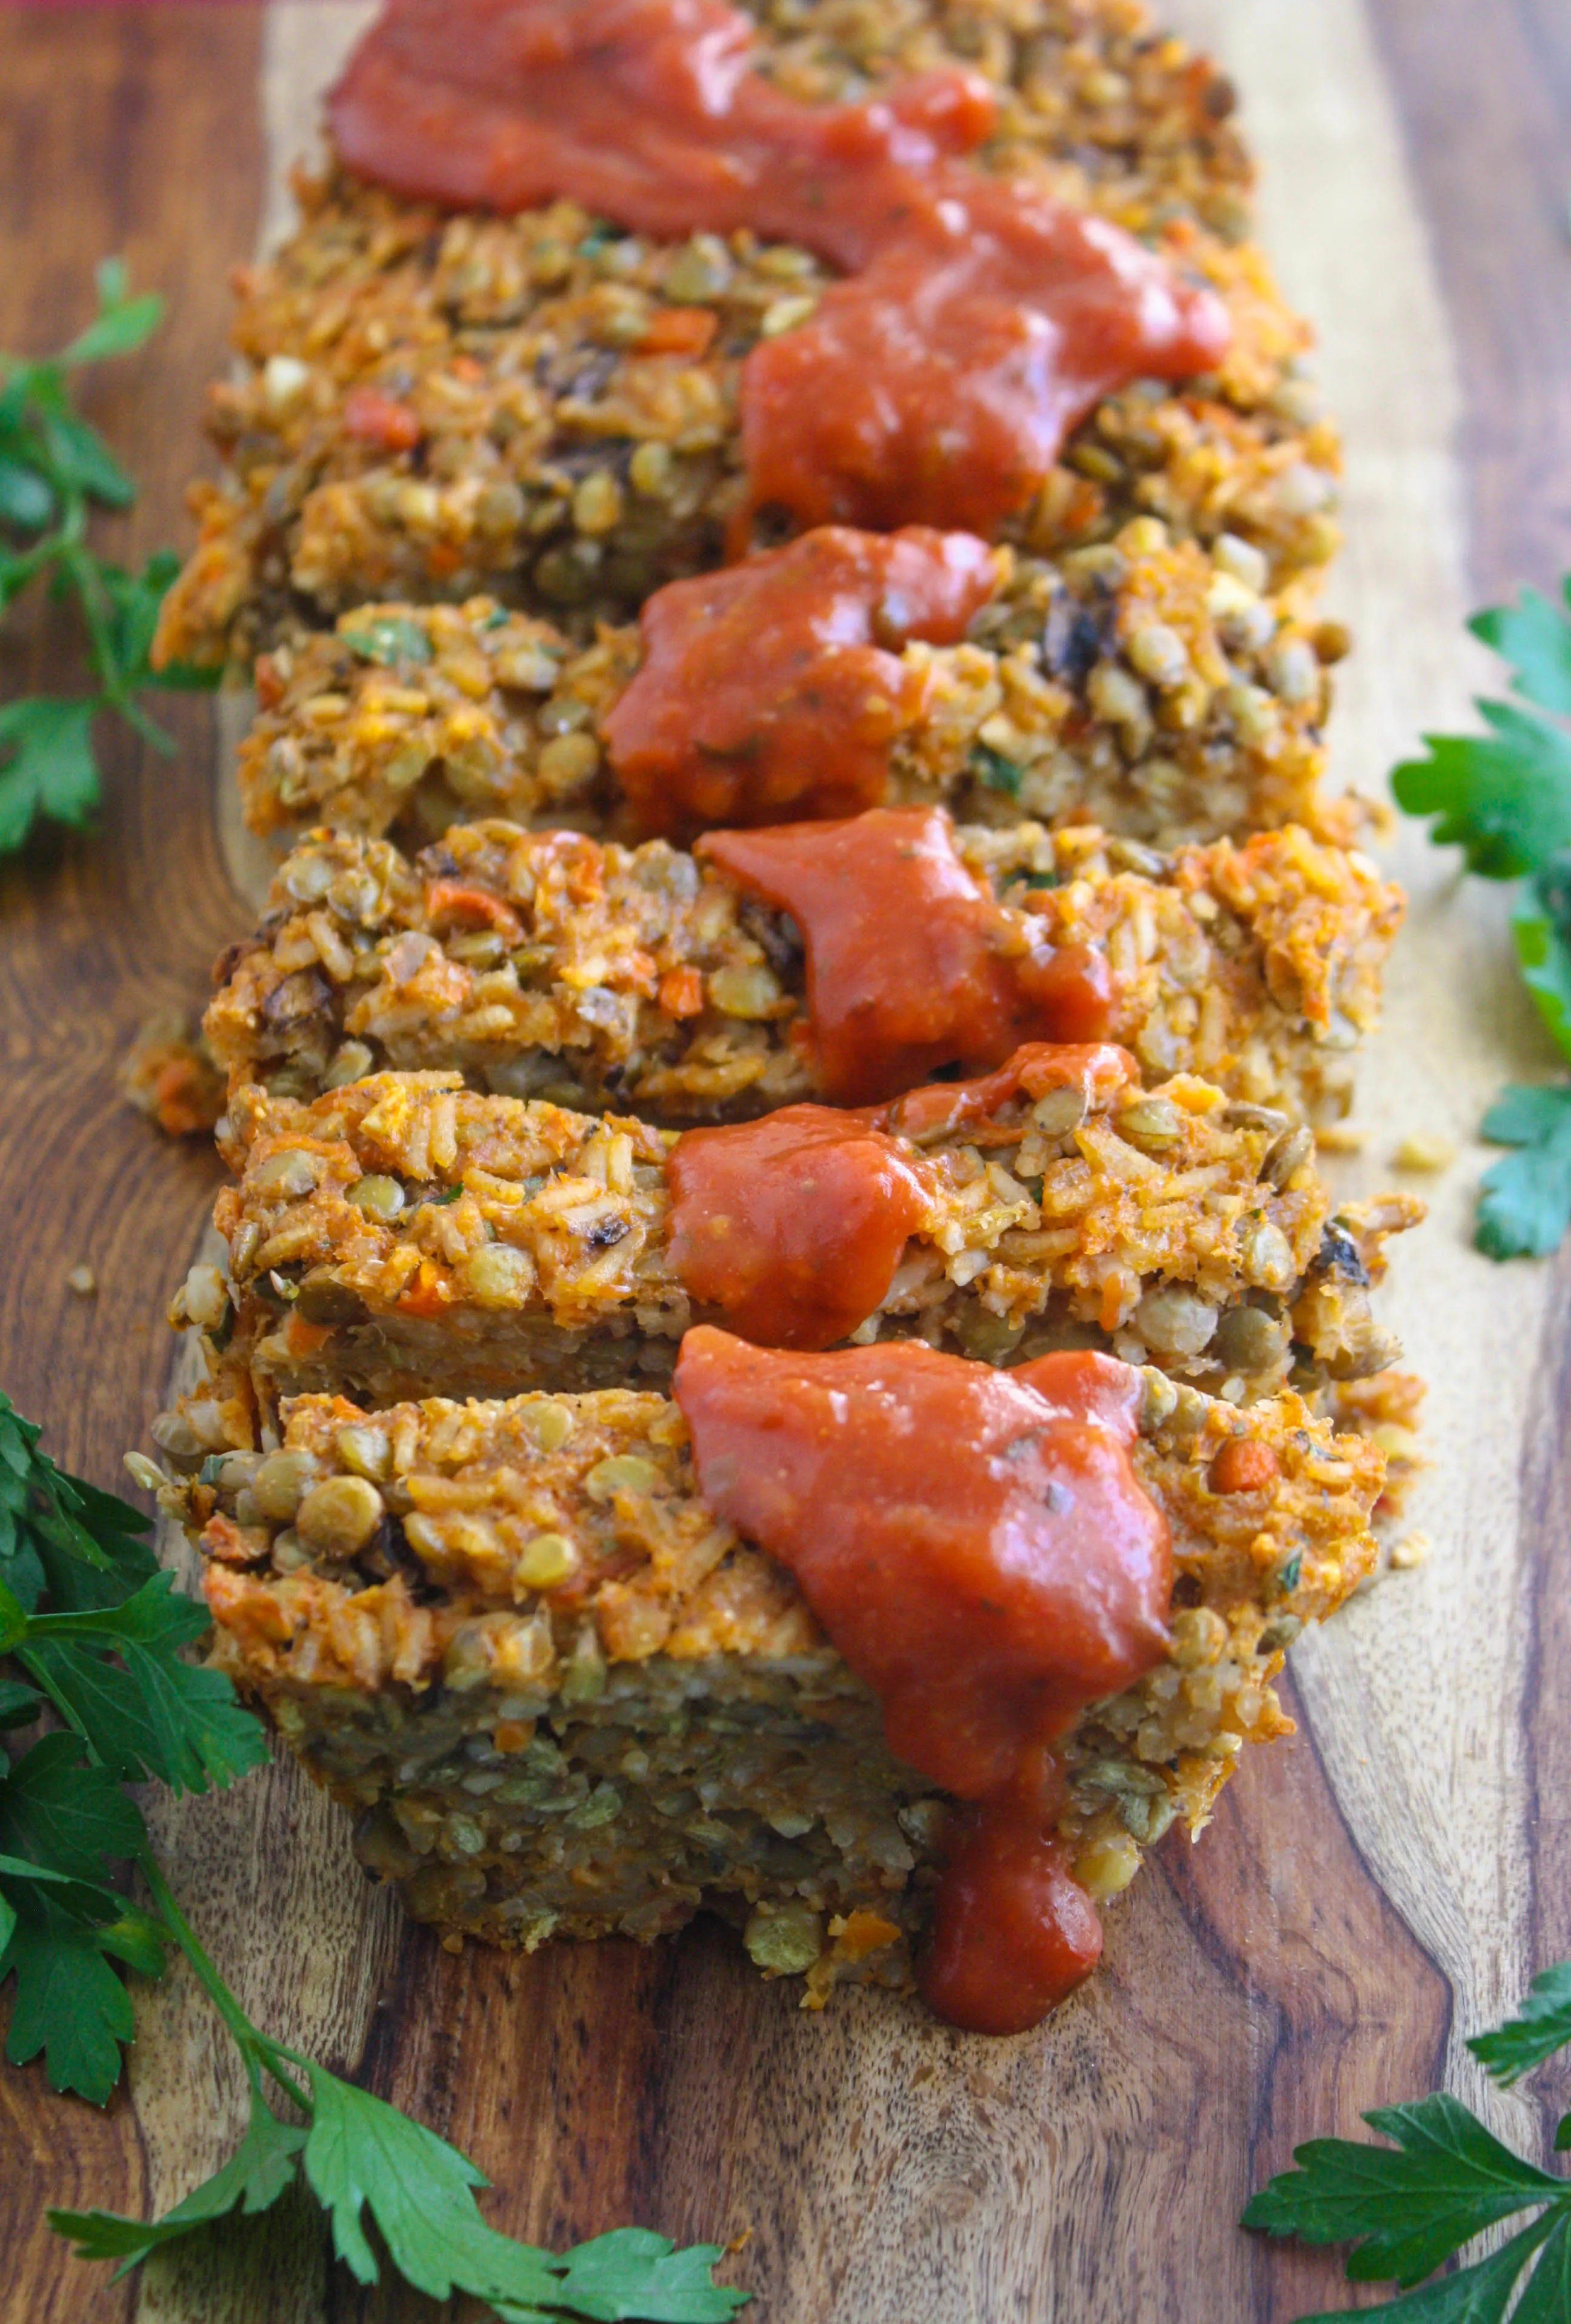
1409, 2207
1504, 799
55, 470
93, 1634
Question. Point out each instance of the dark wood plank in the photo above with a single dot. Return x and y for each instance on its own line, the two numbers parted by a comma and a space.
1258, 1991
1486, 94
128, 130
1484, 88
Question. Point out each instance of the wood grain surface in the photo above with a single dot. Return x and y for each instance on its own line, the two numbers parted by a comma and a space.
1369, 1891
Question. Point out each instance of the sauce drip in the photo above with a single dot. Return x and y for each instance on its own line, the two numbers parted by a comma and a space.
911, 963
773, 691
978, 1548
979, 319
792, 1226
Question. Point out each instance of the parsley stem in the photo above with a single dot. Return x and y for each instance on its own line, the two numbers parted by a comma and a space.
22, 568
253, 2046
38, 1670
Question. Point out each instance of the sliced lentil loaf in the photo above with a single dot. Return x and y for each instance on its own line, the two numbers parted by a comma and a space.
536, 964
404, 1236
1145, 687
544, 405
559, 1698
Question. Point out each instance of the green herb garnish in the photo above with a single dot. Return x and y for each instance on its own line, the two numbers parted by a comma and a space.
1504, 799
391, 639
993, 768
1409, 2207
1525, 1201
55, 470
91, 1634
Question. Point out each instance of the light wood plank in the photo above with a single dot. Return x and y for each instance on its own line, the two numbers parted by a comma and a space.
1409, 1693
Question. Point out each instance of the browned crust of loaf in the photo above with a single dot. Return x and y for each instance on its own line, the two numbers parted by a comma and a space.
635, 978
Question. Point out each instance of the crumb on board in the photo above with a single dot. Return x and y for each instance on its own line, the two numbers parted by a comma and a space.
1341, 1138
1412, 1550
169, 1075
1424, 1151
83, 1282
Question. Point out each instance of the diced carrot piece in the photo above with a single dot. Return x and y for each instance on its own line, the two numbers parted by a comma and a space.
1241, 1467
374, 417
678, 331
303, 1339
865, 1933
452, 900
681, 993
427, 1294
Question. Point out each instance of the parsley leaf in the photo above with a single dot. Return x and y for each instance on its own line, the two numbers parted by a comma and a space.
363, 2153
1409, 2207
55, 469
47, 766
1542, 2026
123, 323
1541, 929
19, 1705
56, 1808
256, 2175
1479, 2294
1504, 799
1536, 636
26, 500
637, 2273
70, 2003
1525, 1201
157, 1716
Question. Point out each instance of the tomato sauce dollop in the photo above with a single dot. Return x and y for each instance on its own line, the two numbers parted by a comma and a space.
979, 319
911, 963
792, 1226
978, 1548
773, 691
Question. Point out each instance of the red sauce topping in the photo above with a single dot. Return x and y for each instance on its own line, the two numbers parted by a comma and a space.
792, 1226
773, 691
978, 1548
937, 385
980, 319
910, 961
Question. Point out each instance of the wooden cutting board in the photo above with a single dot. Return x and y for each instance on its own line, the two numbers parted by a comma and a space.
1369, 1891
